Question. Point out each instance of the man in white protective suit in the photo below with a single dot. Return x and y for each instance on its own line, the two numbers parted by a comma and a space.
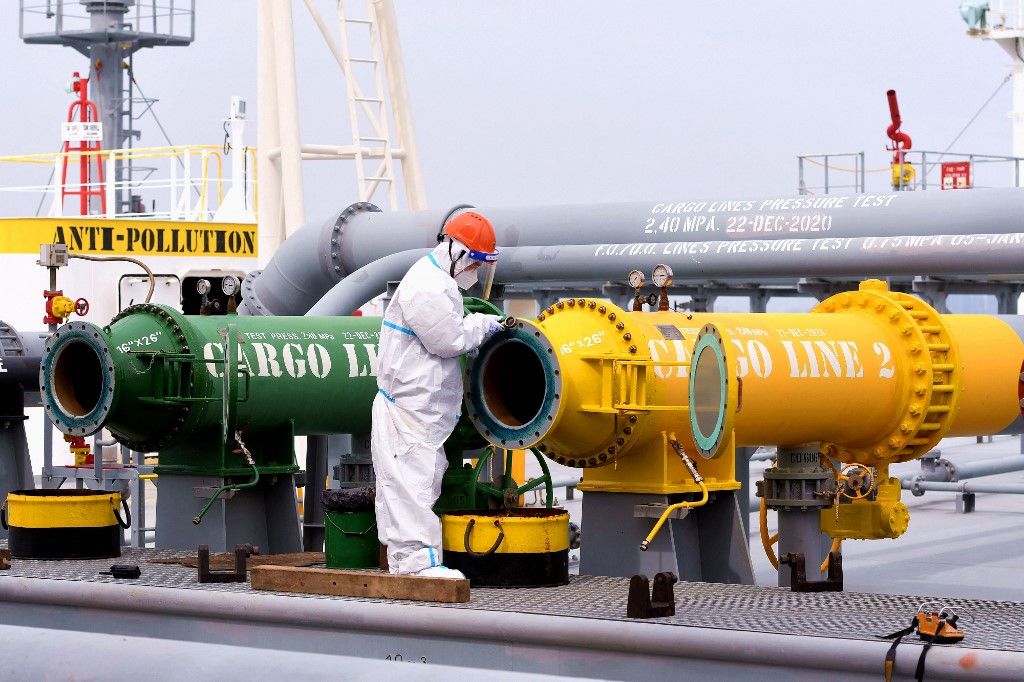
419, 397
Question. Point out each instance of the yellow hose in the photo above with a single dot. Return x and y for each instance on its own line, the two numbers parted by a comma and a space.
768, 540
671, 508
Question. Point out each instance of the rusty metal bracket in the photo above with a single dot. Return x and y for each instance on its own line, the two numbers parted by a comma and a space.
798, 581
645, 603
238, 575
5, 559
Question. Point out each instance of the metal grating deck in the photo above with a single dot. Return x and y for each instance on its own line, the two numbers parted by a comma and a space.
997, 625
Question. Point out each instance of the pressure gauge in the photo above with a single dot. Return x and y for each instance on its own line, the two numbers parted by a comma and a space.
203, 287
229, 285
662, 275
636, 279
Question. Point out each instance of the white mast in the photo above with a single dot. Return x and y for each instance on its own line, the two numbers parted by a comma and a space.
374, 88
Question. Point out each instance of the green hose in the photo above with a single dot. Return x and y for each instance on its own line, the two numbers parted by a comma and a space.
198, 518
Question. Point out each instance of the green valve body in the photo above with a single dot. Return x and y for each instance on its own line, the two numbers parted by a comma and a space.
184, 385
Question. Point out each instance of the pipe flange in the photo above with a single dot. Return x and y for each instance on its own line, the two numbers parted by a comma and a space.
250, 299
176, 323
786, 490
934, 363
618, 444
497, 429
338, 229
61, 398
11, 344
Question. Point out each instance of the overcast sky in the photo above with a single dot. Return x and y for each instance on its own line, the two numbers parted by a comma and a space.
536, 102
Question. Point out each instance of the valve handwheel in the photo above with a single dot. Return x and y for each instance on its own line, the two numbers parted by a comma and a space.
81, 307
509, 493
856, 481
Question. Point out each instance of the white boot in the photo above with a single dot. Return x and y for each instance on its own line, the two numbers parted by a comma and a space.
441, 572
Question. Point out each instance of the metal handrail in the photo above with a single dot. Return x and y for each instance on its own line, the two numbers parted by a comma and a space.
181, 182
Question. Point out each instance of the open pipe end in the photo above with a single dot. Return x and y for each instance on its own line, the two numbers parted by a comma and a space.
76, 376
513, 387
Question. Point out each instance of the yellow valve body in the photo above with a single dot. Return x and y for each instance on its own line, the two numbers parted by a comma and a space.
878, 375
80, 454
62, 307
902, 174
863, 519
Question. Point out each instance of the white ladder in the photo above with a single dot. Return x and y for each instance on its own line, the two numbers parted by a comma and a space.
375, 142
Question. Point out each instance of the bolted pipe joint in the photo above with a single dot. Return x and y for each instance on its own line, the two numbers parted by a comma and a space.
797, 490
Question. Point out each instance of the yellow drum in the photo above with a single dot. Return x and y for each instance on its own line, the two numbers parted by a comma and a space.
508, 548
64, 524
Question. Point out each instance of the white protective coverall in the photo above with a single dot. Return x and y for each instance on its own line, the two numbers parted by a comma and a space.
419, 401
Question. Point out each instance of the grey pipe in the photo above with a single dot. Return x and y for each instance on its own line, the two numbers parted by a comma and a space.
947, 471
566, 482
755, 259
842, 656
319, 255
20, 354
365, 283
744, 261
172, 660
918, 487
764, 455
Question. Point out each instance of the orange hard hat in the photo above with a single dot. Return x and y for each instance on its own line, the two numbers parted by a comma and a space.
476, 232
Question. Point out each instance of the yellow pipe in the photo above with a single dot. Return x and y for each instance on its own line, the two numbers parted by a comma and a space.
876, 376
519, 469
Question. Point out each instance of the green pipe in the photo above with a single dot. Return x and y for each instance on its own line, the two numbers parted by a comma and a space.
179, 385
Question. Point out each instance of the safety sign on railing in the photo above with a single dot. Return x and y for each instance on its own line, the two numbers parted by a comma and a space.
78, 131
956, 175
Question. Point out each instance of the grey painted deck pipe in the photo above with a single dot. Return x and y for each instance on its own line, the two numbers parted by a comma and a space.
753, 260
19, 388
365, 283
152, 610
747, 261
920, 487
958, 472
318, 256
20, 356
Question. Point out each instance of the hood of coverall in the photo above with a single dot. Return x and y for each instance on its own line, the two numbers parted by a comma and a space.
459, 254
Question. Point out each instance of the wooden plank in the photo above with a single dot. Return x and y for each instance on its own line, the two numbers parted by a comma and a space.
345, 583
226, 561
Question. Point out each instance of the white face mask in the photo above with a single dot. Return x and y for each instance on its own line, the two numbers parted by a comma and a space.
465, 280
